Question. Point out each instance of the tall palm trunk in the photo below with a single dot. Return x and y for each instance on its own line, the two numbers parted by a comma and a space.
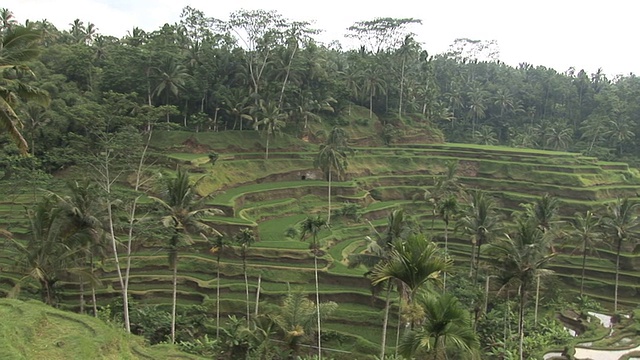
175, 298
218, 297
385, 322
446, 253
286, 77
329, 213
266, 153
615, 296
246, 281
81, 295
584, 264
401, 88
315, 268
521, 322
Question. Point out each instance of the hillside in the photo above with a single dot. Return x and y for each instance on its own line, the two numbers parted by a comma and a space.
32, 330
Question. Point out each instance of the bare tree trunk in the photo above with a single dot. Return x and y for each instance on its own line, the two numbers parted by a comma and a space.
286, 77
385, 322
315, 267
258, 294
584, 263
329, 213
401, 89
93, 299
81, 295
446, 253
615, 296
175, 300
535, 315
246, 283
218, 299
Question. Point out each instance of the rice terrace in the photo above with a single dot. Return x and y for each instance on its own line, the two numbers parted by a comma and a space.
290, 200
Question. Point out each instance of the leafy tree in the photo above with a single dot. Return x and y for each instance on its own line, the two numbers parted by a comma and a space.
519, 260
45, 258
311, 227
296, 316
414, 262
619, 222
18, 46
172, 79
446, 324
379, 250
271, 121
332, 157
183, 218
447, 209
585, 229
482, 222
245, 238
81, 229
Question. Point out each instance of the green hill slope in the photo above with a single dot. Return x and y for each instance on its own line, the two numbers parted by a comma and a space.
32, 330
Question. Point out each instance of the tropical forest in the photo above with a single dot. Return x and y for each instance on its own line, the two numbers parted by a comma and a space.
236, 189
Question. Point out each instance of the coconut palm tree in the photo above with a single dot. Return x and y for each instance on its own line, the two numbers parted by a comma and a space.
519, 260
296, 316
271, 121
18, 46
219, 243
379, 250
245, 238
81, 230
619, 222
447, 210
172, 79
332, 158
482, 223
585, 229
183, 218
414, 262
544, 211
44, 257
446, 324
311, 227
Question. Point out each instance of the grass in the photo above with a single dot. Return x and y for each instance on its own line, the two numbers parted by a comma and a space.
32, 330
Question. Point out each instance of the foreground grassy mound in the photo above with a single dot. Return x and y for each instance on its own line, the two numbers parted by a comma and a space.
32, 330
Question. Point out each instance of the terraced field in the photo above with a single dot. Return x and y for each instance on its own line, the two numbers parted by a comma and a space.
271, 196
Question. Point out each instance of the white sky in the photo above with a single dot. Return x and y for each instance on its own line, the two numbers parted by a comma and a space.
554, 33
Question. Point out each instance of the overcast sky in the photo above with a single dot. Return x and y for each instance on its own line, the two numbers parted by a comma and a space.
554, 33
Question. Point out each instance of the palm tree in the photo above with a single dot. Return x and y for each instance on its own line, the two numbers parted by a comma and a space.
447, 210
332, 157
312, 227
81, 230
482, 223
373, 85
182, 219
18, 46
477, 106
445, 323
619, 222
7, 20
559, 138
218, 245
585, 228
172, 79
271, 121
236, 104
36, 116
295, 317
44, 256
245, 238
619, 132
379, 250
519, 260
414, 262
